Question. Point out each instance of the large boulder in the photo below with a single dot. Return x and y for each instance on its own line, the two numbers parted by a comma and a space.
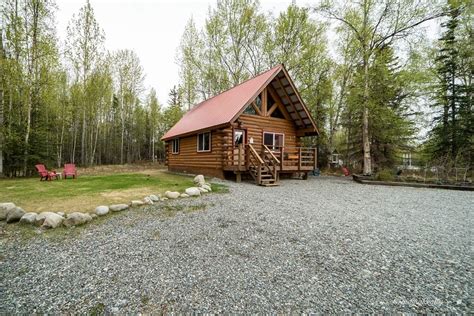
101, 210
154, 198
172, 195
118, 207
77, 218
15, 214
136, 203
28, 218
49, 220
199, 180
4, 209
193, 191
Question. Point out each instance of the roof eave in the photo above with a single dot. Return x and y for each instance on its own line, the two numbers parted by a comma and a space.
202, 130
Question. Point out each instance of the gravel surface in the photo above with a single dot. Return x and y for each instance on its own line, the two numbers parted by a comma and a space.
323, 245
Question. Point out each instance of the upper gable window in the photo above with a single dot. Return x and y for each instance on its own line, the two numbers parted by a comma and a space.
250, 110
270, 100
258, 102
254, 106
277, 113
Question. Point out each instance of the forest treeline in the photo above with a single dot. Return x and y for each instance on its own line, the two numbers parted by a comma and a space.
74, 101
366, 70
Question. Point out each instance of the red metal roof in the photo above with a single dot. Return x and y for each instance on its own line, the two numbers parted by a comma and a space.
222, 108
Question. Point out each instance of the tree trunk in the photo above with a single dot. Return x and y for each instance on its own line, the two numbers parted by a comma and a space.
74, 142
365, 120
83, 138
61, 144
94, 148
27, 135
153, 148
453, 114
2, 129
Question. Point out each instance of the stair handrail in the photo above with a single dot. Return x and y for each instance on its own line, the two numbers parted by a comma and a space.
273, 161
267, 150
255, 154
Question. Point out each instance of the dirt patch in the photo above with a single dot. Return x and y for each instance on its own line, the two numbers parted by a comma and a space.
145, 168
128, 194
88, 203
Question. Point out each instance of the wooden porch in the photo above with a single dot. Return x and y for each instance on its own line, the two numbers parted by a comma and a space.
265, 164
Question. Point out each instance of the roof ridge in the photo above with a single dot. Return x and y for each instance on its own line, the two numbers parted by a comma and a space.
258, 75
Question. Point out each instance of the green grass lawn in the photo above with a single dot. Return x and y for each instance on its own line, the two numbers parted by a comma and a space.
87, 192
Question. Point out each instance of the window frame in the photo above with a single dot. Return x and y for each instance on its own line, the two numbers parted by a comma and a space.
173, 142
244, 136
197, 142
273, 147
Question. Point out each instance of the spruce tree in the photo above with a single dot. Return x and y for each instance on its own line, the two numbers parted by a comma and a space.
451, 138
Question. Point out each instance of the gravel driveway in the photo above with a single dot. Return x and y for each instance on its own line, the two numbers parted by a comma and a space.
322, 245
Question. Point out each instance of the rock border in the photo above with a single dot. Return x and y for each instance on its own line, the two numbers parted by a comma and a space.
49, 220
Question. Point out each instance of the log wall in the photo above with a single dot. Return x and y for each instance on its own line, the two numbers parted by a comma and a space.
193, 161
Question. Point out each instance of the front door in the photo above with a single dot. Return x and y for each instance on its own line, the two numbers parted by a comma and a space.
239, 147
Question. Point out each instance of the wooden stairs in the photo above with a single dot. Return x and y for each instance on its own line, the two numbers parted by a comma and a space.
263, 167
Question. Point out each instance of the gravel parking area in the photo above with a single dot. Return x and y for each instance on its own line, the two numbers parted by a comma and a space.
322, 245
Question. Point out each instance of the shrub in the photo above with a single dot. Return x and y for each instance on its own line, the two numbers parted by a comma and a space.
385, 175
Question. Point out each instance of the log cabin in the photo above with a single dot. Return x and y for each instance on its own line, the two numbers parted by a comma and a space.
254, 128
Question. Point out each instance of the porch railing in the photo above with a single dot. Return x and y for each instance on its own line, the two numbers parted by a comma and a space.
298, 157
282, 158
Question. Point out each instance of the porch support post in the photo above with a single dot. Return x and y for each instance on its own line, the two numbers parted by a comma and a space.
247, 158
240, 156
299, 159
238, 176
281, 158
315, 157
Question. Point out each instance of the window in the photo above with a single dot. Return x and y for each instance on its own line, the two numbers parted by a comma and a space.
175, 146
258, 102
204, 142
254, 106
250, 110
273, 140
239, 136
277, 113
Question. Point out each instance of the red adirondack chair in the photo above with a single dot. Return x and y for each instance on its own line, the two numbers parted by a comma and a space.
45, 174
345, 171
70, 170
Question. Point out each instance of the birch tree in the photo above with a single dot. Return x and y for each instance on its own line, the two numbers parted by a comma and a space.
84, 49
155, 118
128, 78
376, 24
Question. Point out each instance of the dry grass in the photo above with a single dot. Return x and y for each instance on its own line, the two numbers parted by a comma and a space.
103, 185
